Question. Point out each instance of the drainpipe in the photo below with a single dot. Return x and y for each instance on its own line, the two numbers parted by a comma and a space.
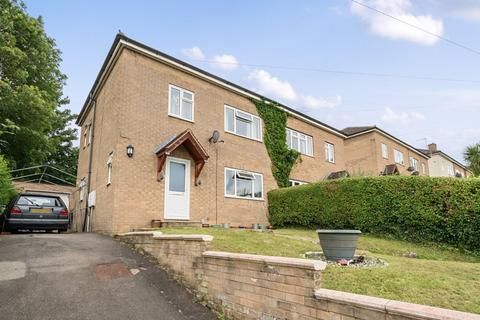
86, 221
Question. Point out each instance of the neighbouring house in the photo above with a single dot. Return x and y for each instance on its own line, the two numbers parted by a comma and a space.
442, 165
370, 150
164, 140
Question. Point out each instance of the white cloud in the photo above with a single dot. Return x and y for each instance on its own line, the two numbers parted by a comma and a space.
226, 61
272, 85
320, 103
194, 53
402, 9
390, 116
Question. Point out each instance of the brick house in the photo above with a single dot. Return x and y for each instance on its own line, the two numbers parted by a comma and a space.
442, 165
164, 140
370, 150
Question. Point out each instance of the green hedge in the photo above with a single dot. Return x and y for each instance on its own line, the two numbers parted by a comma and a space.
7, 190
443, 210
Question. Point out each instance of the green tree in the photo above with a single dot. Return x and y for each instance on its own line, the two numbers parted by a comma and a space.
7, 190
31, 91
472, 157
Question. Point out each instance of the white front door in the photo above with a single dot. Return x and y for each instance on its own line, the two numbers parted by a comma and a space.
177, 188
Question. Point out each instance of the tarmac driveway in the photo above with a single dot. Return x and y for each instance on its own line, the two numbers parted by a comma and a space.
86, 276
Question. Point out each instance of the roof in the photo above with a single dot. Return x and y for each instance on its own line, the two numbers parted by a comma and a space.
351, 132
354, 130
443, 154
121, 41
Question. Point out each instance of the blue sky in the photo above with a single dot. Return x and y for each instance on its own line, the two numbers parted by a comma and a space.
326, 35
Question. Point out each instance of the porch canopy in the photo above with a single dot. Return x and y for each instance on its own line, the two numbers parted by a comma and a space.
390, 169
191, 144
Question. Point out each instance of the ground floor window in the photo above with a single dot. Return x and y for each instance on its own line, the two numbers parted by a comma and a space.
243, 184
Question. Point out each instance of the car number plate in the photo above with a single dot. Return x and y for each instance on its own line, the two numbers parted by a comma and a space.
40, 210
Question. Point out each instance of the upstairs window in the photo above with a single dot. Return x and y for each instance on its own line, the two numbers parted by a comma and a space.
301, 142
90, 134
109, 168
414, 163
329, 152
384, 151
242, 123
450, 170
398, 157
243, 184
180, 103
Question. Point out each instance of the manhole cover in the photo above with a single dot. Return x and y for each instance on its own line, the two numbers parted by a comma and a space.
113, 270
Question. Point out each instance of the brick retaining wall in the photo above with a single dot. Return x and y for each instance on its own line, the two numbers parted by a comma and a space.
245, 286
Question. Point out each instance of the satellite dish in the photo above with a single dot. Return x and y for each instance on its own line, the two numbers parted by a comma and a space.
215, 136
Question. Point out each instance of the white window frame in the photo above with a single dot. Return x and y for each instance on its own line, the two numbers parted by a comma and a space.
235, 110
301, 137
397, 153
82, 186
85, 136
414, 163
182, 90
329, 147
450, 170
109, 168
235, 184
294, 182
384, 148
90, 133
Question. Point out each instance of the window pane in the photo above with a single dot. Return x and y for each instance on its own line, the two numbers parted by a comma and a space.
187, 96
187, 110
257, 186
255, 128
244, 188
244, 115
230, 182
175, 101
229, 120
303, 146
243, 127
309, 146
177, 177
294, 142
289, 138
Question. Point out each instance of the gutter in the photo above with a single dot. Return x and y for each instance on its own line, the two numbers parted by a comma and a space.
86, 220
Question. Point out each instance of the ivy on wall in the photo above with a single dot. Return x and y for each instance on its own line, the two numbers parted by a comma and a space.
275, 137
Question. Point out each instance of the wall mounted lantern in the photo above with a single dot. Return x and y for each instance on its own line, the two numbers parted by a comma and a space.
130, 150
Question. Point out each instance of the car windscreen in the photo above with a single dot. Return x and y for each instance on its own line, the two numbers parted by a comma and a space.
38, 201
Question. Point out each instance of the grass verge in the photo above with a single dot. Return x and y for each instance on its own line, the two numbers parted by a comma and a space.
442, 276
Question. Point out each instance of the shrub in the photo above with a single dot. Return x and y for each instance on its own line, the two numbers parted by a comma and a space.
7, 191
444, 210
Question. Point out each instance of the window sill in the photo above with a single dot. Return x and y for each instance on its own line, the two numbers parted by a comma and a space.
239, 135
180, 118
243, 198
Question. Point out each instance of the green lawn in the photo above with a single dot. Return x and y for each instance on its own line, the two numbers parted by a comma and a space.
442, 276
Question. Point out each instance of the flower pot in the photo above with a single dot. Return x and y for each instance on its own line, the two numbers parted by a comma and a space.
338, 244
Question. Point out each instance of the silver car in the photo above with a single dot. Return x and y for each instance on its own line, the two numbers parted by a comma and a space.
30, 211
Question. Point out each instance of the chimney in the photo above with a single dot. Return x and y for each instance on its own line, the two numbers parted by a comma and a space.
432, 147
